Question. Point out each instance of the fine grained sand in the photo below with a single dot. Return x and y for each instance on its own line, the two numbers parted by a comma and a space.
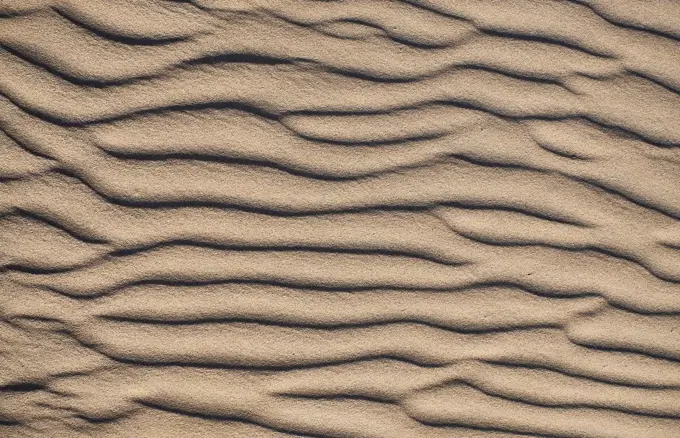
359, 218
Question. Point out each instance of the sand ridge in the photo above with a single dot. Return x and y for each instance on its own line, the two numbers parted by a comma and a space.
306, 218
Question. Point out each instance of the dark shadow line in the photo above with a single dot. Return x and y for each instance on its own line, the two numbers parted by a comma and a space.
318, 249
628, 26
74, 80
507, 209
22, 387
530, 366
53, 223
566, 406
655, 81
230, 418
321, 327
232, 58
261, 368
618, 194
628, 350
413, 138
26, 149
223, 159
514, 75
130, 41
541, 39
386, 33
615, 129
574, 250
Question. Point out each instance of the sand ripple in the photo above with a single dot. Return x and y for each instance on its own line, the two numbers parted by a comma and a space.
387, 218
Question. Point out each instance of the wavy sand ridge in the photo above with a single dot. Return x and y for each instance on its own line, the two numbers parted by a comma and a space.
270, 218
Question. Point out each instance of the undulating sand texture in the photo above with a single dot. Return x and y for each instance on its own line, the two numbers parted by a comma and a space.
328, 218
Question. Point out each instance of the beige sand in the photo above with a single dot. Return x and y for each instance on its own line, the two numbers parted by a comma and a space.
340, 218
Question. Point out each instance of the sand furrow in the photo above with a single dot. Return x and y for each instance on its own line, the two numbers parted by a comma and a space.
374, 58
274, 89
470, 310
79, 211
376, 219
537, 270
281, 346
639, 14
459, 405
598, 167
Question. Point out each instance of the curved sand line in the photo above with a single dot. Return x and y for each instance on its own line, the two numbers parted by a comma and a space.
415, 218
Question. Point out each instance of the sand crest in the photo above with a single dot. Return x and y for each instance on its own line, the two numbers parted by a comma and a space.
365, 219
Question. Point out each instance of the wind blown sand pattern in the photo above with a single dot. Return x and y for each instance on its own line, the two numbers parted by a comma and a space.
327, 218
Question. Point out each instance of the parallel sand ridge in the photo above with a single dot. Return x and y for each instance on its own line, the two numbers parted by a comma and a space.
377, 218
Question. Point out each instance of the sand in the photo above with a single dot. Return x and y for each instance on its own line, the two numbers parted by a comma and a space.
328, 218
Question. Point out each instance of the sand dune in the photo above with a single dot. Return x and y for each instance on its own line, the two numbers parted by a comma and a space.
387, 218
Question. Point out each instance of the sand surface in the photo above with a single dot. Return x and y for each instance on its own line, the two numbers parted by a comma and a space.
358, 218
